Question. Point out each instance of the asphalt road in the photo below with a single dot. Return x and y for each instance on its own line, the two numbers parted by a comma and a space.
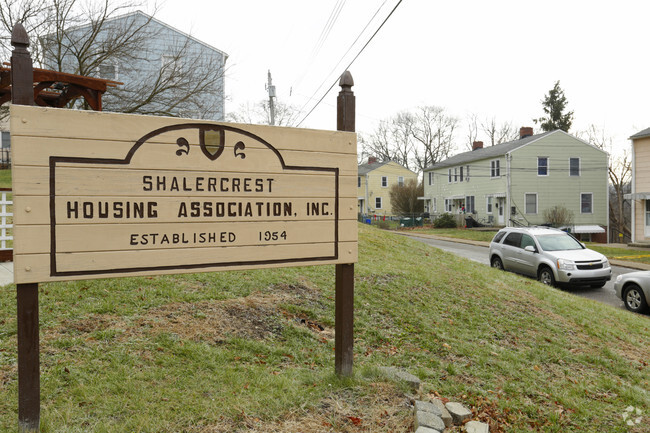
479, 254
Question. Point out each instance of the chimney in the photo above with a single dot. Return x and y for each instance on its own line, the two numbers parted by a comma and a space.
372, 159
525, 131
477, 145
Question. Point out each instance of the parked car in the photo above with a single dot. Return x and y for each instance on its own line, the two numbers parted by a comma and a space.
634, 290
550, 255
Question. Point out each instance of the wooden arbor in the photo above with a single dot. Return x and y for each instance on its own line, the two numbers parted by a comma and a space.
52, 88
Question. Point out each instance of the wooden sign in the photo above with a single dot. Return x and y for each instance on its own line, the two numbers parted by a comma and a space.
101, 195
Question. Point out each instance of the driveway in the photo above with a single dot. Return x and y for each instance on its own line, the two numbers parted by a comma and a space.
478, 252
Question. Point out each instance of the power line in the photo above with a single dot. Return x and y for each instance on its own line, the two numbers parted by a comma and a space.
320, 86
334, 15
351, 62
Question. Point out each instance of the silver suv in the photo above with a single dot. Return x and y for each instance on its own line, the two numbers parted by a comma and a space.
552, 256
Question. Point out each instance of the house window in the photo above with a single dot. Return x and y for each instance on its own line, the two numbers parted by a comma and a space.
542, 166
108, 71
531, 203
435, 207
358, 181
586, 202
461, 173
449, 173
384, 181
467, 173
488, 205
430, 178
170, 66
400, 180
574, 166
377, 202
469, 204
495, 170
647, 212
455, 174
447, 205
6, 140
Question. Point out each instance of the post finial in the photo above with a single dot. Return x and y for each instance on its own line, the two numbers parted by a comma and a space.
346, 80
19, 36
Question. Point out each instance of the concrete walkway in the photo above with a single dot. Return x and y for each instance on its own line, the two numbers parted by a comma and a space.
615, 262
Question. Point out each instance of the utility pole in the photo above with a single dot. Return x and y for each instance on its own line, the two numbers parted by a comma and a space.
271, 89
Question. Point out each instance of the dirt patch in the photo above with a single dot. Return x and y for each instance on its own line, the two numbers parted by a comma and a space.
258, 316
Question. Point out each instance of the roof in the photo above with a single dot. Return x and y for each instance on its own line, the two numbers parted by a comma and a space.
487, 152
642, 134
151, 18
366, 168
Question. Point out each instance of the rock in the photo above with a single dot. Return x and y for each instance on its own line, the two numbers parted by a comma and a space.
458, 412
402, 376
426, 430
429, 420
425, 406
445, 415
477, 427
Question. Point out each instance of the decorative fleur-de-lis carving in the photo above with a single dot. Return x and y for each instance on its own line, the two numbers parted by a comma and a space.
238, 147
184, 146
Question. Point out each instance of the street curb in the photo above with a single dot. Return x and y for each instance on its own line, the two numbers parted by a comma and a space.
622, 263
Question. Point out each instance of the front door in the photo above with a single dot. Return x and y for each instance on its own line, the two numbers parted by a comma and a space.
501, 202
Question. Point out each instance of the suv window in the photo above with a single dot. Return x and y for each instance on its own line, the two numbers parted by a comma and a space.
559, 242
527, 240
500, 236
513, 239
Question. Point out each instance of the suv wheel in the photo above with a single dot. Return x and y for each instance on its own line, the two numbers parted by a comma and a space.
633, 299
497, 263
545, 276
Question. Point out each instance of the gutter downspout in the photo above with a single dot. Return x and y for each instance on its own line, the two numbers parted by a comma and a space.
508, 187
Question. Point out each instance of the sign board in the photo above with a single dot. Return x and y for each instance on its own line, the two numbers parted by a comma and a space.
101, 195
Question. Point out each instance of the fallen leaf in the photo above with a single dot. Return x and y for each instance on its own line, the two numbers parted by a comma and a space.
355, 420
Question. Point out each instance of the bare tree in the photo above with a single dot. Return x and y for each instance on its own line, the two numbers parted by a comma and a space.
472, 130
404, 198
33, 16
558, 216
620, 175
390, 141
259, 113
415, 139
498, 133
104, 38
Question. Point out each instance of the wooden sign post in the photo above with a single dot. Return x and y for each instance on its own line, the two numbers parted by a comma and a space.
101, 195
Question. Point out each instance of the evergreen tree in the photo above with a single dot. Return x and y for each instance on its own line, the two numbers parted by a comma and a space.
554, 104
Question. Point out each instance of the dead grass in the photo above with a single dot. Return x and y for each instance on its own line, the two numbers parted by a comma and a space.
385, 410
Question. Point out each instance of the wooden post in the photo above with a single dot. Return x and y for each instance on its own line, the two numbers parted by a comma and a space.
344, 297
29, 386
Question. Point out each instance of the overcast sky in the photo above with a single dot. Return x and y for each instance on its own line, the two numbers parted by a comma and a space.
490, 58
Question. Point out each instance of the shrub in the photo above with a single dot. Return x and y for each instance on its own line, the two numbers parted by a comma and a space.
383, 225
445, 221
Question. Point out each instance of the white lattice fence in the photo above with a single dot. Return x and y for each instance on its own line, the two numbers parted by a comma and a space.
6, 220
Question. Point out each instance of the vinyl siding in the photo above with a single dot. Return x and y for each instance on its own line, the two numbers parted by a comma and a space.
558, 187
392, 171
479, 184
641, 149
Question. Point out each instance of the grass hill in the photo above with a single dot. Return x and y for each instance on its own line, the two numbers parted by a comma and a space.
252, 351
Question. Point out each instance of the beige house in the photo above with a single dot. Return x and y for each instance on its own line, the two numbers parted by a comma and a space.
640, 186
374, 183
